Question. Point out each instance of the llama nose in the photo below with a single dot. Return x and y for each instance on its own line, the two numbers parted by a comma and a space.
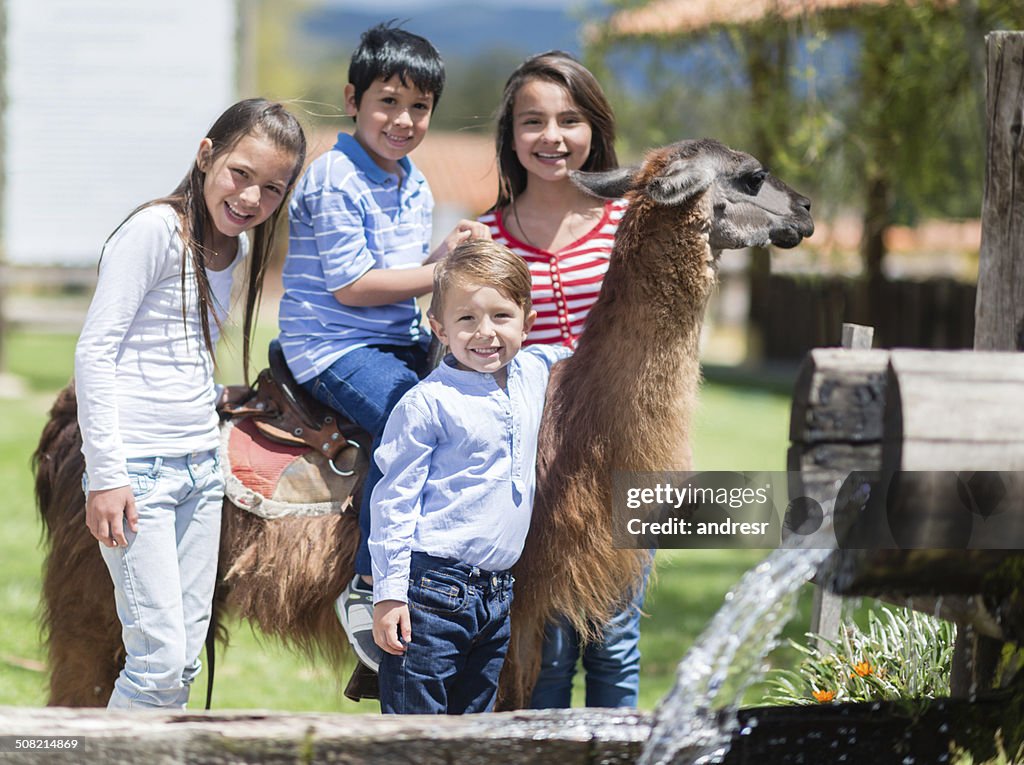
804, 202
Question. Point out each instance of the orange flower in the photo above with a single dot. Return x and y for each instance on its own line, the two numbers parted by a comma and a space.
823, 697
863, 668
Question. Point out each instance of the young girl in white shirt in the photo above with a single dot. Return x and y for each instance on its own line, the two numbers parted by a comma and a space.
146, 396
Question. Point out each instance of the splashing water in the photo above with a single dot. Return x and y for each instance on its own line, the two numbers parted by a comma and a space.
695, 721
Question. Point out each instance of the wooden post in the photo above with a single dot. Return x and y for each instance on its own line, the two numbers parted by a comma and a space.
826, 608
857, 336
999, 310
999, 306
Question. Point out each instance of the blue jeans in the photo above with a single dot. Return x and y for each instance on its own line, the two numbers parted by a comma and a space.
460, 635
164, 579
364, 385
612, 665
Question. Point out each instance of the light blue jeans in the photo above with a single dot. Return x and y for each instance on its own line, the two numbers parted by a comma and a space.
612, 664
164, 578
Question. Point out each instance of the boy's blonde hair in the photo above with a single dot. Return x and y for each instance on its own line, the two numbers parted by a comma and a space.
483, 262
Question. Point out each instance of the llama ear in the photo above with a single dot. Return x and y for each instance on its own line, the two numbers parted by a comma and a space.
681, 180
609, 184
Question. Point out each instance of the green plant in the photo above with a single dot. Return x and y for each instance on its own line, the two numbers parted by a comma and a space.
962, 757
903, 654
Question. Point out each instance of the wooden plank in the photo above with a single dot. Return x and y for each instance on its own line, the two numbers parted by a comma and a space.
953, 455
999, 311
987, 366
819, 470
555, 737
954, 411
857, 336
934, 409
919, 572
839, 396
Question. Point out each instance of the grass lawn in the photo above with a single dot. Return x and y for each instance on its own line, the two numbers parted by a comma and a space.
736, 429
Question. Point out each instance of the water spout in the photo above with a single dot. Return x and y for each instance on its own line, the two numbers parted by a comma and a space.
697, 718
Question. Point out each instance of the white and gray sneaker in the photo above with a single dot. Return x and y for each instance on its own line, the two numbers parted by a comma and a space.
354, 608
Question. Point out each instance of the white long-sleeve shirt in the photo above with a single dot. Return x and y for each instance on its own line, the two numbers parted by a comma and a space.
459, 456
144, 378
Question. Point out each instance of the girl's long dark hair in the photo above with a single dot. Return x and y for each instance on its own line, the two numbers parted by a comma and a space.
253, 116
562, 69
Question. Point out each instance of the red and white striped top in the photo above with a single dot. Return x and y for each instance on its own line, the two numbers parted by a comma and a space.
565, 283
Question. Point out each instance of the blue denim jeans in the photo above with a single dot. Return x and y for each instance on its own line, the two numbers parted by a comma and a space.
364, 385
460, 635
612, 665
164, 579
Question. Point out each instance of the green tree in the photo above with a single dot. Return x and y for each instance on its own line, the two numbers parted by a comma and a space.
897, 131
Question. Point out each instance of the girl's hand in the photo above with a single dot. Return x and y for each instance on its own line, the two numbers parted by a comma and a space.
465, 230
392, 628
105, 512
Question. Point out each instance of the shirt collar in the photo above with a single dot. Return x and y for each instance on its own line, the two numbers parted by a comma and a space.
470, 379
348, 145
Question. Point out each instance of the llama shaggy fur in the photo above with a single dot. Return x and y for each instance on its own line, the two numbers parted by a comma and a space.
622, 402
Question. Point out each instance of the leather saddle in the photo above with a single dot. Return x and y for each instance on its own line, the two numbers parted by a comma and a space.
282, 411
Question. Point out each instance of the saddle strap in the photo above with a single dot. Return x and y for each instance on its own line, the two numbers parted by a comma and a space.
277, 414
317, 428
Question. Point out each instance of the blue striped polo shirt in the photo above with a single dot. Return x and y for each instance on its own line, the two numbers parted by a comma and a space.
347, 216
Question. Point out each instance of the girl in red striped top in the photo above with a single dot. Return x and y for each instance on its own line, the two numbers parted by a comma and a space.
555, 118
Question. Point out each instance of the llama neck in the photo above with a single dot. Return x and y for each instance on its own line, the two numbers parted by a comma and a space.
637, 360
652, 304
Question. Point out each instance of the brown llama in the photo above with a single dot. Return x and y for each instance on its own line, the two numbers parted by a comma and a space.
623, 401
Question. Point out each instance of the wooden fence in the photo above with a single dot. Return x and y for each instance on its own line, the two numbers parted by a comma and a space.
798, 313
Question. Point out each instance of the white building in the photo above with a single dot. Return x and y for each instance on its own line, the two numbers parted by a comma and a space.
106, 103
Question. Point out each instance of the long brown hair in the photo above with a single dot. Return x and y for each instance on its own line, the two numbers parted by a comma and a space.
253, 116
562, 69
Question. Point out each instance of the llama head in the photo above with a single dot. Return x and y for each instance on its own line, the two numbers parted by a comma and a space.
741, 203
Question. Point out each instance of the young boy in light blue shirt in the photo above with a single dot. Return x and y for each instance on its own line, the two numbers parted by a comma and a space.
450, 515
359, 235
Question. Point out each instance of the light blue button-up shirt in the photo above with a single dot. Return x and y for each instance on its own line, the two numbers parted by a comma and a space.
459, 458
347, 216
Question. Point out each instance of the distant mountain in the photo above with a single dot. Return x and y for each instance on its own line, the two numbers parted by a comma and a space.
458, 29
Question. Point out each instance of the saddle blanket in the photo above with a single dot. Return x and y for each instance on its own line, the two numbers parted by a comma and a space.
275, 480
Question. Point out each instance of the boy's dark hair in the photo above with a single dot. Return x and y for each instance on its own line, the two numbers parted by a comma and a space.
386, 50
483, 262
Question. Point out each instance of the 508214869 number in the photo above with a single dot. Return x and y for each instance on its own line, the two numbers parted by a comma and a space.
22, 743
